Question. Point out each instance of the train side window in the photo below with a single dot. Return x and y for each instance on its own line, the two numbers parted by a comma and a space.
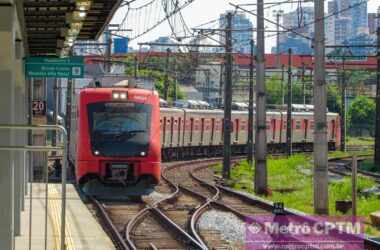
237, 130
311, 125
268, 125
298, 124
191, 129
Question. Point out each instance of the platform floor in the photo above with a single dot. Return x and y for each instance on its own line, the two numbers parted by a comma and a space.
82, 230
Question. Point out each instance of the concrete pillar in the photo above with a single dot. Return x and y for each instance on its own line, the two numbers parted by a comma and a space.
7, 111
19, 137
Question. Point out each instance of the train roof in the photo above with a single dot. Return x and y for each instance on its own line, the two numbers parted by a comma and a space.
144, 92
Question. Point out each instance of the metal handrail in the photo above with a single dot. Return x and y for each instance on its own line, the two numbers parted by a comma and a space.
45, 149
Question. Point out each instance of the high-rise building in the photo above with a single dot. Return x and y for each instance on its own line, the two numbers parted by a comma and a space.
348, 19
372, 22
301, 21
242, 31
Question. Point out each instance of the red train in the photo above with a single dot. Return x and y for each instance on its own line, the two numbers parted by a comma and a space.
117, 138
119, 135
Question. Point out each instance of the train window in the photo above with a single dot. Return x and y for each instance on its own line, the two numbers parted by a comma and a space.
311, 125
191, 129
298, 124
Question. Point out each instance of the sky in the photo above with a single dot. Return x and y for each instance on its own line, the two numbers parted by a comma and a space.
202, 11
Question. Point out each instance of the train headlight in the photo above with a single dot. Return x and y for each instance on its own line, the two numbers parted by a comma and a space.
96, 152
123, 96
115, 95
142, 153
119, 95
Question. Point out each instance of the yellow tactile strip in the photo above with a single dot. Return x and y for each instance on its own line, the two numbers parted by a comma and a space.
55, 215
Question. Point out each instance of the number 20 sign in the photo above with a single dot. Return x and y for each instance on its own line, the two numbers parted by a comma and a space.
39, 107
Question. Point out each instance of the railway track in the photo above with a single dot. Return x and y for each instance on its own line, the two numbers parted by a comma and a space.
183, 215
342, 166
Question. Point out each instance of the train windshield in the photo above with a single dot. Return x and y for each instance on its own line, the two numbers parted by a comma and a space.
120, 129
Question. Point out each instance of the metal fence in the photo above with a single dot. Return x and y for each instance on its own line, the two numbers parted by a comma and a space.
29, 148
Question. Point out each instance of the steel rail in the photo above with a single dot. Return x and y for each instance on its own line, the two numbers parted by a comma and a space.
116, 236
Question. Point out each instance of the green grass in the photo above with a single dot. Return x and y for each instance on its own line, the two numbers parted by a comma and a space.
295, 174
334, 154
364, 141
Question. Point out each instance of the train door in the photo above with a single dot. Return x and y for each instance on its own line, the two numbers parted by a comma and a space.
191, 129
273, 130
222, 134
236, 130
179, 131
202, 130
212, 131
332, 130
306, 123
164, 131
171, 130
281, 127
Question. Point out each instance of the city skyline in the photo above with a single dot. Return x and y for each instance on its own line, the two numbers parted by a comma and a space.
203, 11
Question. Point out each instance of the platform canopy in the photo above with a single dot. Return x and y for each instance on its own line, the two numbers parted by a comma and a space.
52, 26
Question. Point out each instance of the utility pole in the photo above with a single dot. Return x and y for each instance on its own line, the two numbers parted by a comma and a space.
166, 83
175, 80
228, 100
261, 126
250, 108
109, 51
377, 129
303, 83
69, 91
221, 84
282, 85
55, 113
135, 67
289, 125
343, 112
320, 116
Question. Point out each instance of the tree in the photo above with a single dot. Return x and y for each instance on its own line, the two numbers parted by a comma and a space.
361, 115
334, 101
153, 68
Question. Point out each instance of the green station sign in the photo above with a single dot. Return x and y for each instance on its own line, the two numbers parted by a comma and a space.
69, 67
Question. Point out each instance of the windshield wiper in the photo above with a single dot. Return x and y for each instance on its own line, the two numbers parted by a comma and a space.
128, 134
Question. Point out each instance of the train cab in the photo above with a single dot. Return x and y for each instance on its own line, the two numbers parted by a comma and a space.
118, 137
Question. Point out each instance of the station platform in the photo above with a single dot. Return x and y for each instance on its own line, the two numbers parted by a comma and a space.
82, 230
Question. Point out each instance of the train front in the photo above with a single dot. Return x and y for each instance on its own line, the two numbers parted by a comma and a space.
118, 144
